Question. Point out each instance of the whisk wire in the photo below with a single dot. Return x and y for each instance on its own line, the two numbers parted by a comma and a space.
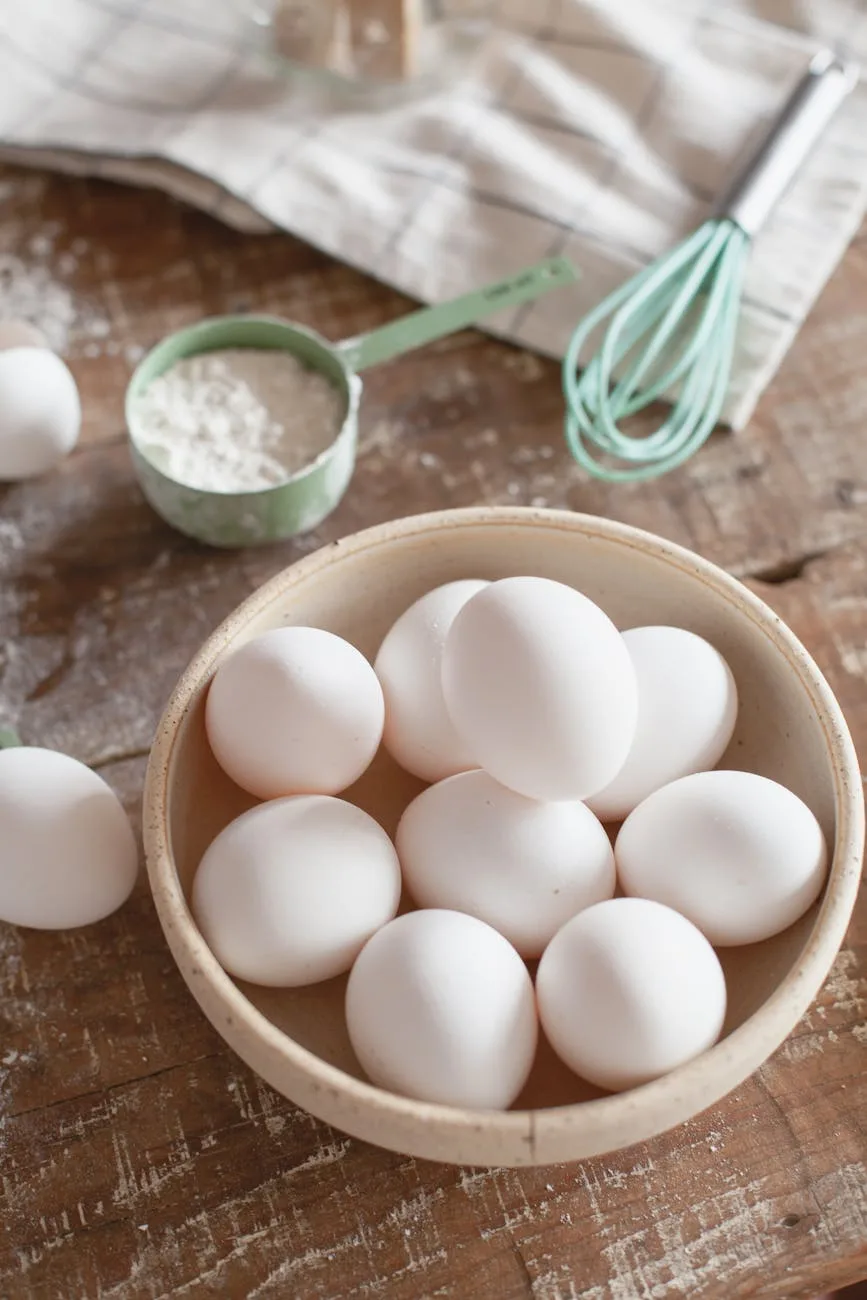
672, 327
684, 283
597, 408
686, 360
687, 287
691, 368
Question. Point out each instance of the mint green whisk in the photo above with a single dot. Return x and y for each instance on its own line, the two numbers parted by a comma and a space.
672, 327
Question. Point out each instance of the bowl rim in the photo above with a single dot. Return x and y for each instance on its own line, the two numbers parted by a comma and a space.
633, 1115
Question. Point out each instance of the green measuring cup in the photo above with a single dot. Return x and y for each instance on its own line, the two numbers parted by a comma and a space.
303, 499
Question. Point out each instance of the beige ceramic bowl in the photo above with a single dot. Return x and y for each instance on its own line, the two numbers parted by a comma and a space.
790, 728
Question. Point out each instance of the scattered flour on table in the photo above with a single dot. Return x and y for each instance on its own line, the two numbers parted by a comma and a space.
30, 292
237, 419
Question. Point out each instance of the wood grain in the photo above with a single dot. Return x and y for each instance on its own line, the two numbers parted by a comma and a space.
138, 1156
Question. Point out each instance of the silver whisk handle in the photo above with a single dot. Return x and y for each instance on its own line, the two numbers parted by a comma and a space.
766, 176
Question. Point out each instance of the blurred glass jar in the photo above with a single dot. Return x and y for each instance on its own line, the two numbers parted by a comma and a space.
376, 48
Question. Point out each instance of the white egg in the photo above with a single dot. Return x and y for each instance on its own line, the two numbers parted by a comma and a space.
740, 855
440, 1007
687, 707
473, 845
295, 711
290, 891
419, 734
539, 683
68, 856
20, 334
629, 990
40, 412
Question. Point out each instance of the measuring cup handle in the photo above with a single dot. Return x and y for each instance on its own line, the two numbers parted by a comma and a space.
431, 323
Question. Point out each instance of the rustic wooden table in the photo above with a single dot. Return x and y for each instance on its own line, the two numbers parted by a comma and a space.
139, 1157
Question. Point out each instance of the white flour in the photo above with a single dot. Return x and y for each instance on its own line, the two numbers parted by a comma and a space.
31, 294
34, 281
238, 419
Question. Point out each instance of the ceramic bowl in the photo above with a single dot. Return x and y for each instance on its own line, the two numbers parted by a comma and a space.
789, 728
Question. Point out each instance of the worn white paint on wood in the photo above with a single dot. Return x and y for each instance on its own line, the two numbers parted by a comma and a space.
137, 1156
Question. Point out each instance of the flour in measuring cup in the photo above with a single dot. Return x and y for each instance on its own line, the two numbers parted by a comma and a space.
237, 419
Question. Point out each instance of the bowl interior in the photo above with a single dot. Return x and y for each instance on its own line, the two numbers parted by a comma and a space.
358, 593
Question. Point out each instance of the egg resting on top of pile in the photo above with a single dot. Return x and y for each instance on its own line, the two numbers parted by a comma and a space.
539, 683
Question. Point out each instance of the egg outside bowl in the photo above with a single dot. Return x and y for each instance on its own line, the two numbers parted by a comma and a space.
232, 519
790, 728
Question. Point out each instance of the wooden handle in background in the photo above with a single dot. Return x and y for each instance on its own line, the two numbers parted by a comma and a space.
313, 33
385, 37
